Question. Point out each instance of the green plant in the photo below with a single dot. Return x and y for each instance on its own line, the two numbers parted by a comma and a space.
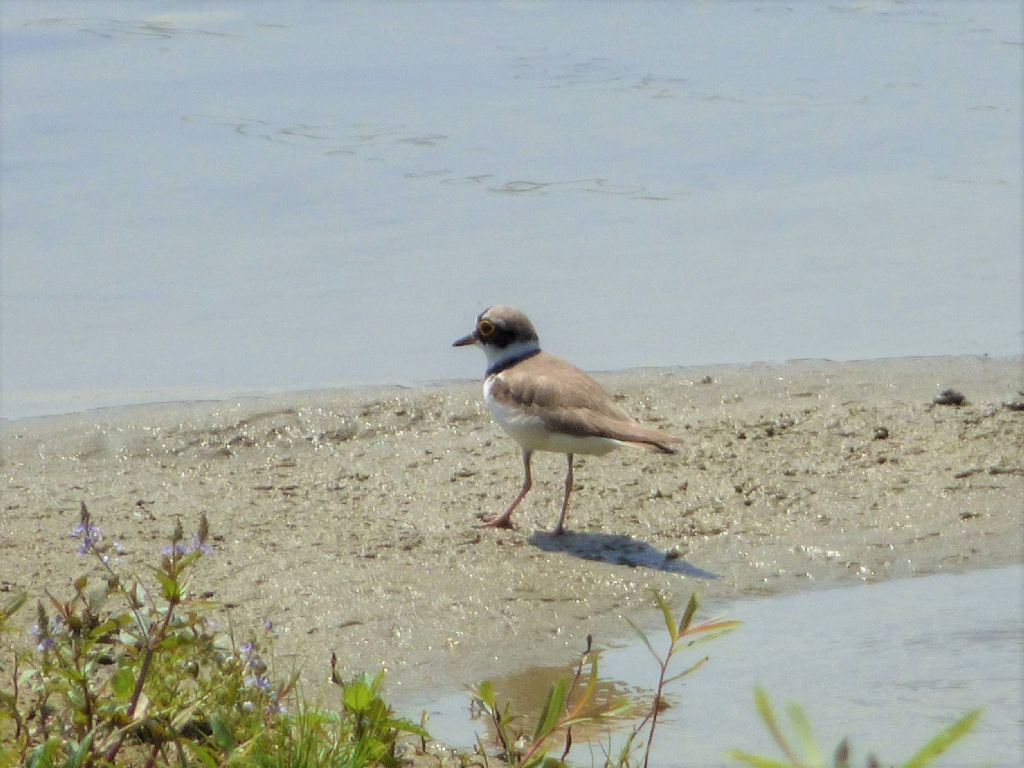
564, 707
364, 732
809, 754
129, 674
374, 729
683, 634
122, 668
567, 699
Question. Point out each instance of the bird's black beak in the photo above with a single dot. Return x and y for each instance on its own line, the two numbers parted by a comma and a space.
467, 340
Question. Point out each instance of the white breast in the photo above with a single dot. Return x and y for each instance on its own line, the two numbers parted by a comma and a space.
530, 432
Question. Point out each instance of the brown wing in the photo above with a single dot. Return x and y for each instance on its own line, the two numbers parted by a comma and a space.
568, 400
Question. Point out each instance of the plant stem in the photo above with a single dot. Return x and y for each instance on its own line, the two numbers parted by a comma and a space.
147, 659
656, 707
18, 723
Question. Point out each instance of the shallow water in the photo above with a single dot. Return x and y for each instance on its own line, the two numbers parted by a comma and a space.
201, 199
887, 665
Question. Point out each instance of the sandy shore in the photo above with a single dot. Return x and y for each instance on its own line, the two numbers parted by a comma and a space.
347, 517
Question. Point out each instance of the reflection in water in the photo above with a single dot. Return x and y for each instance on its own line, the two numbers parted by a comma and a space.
929, 649
525, 694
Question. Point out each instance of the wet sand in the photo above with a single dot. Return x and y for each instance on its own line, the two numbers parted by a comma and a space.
347, 517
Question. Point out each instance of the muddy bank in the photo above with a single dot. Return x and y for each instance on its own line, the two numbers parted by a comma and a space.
347, 517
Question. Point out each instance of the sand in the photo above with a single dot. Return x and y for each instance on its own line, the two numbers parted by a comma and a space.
348, 517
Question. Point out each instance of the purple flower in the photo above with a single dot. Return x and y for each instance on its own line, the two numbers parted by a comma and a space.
258, 681
45, 639
89, 534
45, 642
181, 548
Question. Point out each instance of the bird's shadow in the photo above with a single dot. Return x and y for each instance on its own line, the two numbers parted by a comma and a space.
618, 550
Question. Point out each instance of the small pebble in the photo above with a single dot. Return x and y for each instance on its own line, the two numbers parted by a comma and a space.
950, 397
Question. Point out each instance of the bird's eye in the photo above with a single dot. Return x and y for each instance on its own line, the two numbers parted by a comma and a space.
485, 328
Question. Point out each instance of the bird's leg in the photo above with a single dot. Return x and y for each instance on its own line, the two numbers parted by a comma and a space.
504, 520
565, 501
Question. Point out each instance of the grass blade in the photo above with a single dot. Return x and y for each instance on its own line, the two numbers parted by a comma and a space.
943, 740
553, 708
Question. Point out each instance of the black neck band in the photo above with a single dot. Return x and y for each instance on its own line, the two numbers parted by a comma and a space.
501, 366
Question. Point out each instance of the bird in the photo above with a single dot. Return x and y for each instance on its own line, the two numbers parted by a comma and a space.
547, 404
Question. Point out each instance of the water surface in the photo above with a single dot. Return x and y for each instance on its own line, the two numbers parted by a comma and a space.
211, 198
887, 665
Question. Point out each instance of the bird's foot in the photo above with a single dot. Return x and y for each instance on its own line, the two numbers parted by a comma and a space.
499, 521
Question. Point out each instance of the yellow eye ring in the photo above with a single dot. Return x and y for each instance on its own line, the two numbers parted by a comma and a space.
485, 328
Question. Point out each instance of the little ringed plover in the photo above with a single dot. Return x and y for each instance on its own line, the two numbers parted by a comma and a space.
547, 404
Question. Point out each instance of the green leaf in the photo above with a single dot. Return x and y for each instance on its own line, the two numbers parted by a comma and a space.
202, 753
168, 585
553, 708
943, 740
688, 671
485, 692
107, 627
183, 715
640, 633
12, 606
757, 761
804, 735
588, 691
187, 560
222, 735
42, 756
572, 714
357, 696
81, 752
666, 612
764, 709
409, 726
122, 683
714, 626
691, 609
